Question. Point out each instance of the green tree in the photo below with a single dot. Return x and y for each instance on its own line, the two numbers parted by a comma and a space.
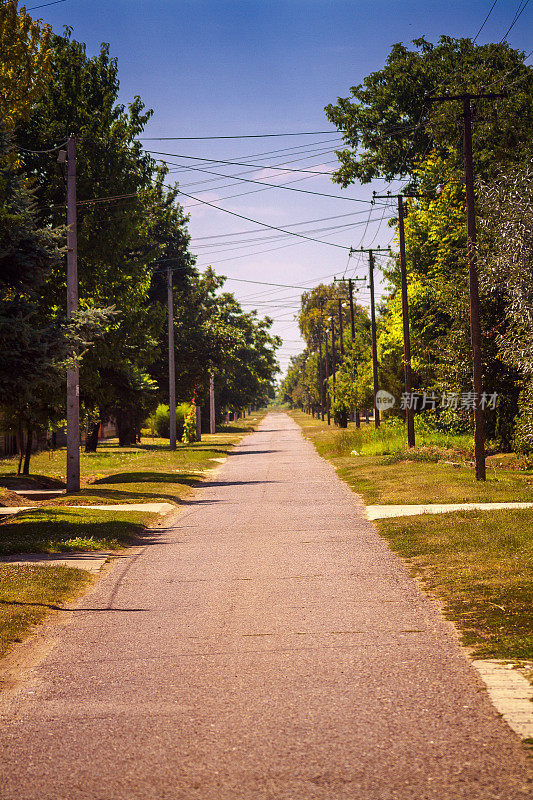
25, 62
389, 130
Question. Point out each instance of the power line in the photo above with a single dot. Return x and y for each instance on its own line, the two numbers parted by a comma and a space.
40, 152
239, 245
229, 163
517, 16
258, 168
239, 136
289, 225
287, 188
485, 20
43, 5
265, 188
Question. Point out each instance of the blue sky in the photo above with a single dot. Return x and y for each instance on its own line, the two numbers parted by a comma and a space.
213, 68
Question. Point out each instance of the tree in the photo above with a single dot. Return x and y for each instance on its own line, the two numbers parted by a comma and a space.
506, 256
25, 62
389, 130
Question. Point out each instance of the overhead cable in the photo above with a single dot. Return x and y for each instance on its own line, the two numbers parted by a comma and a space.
485, 20
239, 136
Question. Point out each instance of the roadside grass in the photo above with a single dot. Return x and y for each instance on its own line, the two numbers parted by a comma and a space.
480, 564
392, 476
66, 530
148, 472
29, 593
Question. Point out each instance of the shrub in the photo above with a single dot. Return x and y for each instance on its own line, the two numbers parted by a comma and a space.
189, 429
160, 420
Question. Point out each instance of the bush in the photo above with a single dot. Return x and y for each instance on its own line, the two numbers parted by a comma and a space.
160, 420
189, 430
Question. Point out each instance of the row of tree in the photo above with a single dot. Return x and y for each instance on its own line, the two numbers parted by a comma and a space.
391, 132
130, 230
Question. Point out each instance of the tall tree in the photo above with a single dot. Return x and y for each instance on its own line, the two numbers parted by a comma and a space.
25, 62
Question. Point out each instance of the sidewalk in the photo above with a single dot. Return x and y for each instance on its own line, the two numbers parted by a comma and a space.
268, 646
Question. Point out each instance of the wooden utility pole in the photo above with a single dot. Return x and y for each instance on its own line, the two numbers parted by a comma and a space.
374, 337
333, 355
408, 380
375, 377
475, 325
212, 425
409, 410
321, 374
73, 375
341, 330
171, 363
328, 409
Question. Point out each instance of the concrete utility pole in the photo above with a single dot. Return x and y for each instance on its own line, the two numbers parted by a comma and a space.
199, 423
371, 251
409, 410
212, 426
73, 375
475, 325
171, 363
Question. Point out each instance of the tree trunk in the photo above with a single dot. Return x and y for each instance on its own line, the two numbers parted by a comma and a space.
91, 442
357, 419
27, 454
126, 430
21, 447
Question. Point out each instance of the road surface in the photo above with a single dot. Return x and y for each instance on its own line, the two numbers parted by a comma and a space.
267, 645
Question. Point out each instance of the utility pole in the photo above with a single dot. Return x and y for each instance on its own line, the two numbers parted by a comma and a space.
73, 375
171, 364
350, 282
328, 409
371, 252
341, 331
321, 374
409, 410
333, 353
475, 325
212, 426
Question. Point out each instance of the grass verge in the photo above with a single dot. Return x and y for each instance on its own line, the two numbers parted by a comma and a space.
68, 530
478, 563
29, 593
391, 476
148, 472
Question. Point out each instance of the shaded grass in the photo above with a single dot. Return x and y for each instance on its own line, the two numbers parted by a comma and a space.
481, 566
382, 479
147, 472
68, 530
28, 593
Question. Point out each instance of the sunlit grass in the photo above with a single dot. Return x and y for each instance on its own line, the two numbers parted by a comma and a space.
481, 565
29, 593
383, 471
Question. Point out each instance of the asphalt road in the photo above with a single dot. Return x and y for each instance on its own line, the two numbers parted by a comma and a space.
268, 645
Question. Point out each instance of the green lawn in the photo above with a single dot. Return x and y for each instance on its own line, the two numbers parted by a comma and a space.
390, 475
148, 472
481, 565
29, 593
478, 563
